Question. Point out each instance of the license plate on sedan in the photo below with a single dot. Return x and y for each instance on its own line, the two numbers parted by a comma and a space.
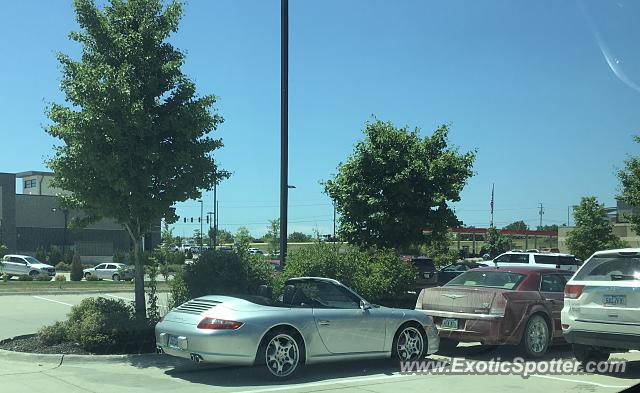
449, 323
614, 300
173, 341
426, 275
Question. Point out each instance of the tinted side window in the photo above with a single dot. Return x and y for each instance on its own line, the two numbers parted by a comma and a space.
546, 259
565, 260
552, 283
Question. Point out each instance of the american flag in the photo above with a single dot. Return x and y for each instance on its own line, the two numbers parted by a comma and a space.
492, 188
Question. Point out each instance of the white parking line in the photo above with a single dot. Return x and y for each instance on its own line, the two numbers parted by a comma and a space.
129, 300
314, 384
54, 301
579, 381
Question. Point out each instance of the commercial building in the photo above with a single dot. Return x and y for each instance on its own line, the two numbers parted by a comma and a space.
33, 218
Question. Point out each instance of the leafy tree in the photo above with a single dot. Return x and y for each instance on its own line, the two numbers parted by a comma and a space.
76, 268
299, 237
496, 242
242, 239
272, 237
441, 250
167, 235
593, 231
224, 237
548, 228
517, 226
136, 136
396, 184
197, 236
630, 179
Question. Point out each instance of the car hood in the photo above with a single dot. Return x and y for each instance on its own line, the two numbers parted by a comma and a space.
41, 266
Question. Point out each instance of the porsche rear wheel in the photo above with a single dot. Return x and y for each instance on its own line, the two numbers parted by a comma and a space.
281, 353
410, 343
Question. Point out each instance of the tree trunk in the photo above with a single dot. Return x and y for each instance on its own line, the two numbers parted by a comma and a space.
140, 303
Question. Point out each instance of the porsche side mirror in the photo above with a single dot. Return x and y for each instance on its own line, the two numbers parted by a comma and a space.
365, 305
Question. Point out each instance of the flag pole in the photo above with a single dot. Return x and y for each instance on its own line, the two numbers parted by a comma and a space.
492, 189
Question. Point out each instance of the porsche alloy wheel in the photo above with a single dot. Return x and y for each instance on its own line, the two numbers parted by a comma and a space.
282, 355
409, 344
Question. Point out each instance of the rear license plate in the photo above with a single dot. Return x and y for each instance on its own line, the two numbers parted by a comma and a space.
173, 342
449, 323
614, 300
426, 275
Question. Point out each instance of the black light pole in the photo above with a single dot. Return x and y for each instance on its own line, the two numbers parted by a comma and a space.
215, 214
201, 219
284, 126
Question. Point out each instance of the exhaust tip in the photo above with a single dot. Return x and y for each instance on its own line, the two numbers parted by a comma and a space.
159, 350
196, 358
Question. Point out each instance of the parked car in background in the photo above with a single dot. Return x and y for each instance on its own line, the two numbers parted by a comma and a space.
426, 272
453, 270
601, 311
16, 265
315, 320
541, 259
110, 271
499, 306
255, 251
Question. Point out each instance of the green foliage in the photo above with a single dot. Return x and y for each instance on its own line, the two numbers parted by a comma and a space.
518, 226
41, 255
25, 277
243, 239
53, 334
76, 268
3, 250
130, 108
396, 184
440, 249
224, 237
593, 231
153, 311
62, 267
495, 242
220, 273
548, 228
630, 179
55, 256
299, 237
5, 277
91, 277
43, 277
61, 277
272, 237
379, 276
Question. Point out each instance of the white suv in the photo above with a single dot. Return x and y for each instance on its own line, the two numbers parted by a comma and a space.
601, 312
543, 259
15, 265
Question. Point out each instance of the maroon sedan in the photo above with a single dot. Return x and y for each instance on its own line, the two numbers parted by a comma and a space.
499, 305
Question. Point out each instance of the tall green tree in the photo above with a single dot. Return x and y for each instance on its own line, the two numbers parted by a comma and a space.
593, 231
517, 226
243, 238
495, 242
398, 183
299, 237
630, 180
548, 228
224, 236
272, 237
136, 137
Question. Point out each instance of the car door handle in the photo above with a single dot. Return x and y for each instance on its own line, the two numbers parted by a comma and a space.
324, 323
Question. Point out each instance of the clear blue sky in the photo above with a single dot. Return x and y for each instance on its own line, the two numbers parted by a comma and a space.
527, 83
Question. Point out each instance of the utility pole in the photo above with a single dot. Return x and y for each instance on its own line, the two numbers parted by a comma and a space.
284, 126
201, 219
568, 214
334, 222
541, 213
215, 214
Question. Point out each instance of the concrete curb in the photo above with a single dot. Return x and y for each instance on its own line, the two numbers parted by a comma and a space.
72, 292
145, 359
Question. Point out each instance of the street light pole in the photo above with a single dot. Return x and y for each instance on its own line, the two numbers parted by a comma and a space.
201, 219
215, 214
284, 126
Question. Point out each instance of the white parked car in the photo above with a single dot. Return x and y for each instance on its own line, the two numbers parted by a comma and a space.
541, 259
110, 271
255, 251
16, 265
601, 312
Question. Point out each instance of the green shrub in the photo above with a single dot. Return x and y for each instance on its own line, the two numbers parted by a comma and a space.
53, 334
379, 276
3, 250
5, 277
219, 273
25, 277
43, 277
61, 277
175, 258
55, 255
62, 267
76, 268
41, 255
92, 277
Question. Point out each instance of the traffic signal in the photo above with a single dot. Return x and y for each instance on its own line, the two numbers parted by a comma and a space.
207, 219
198, 219
185, 220
191, 219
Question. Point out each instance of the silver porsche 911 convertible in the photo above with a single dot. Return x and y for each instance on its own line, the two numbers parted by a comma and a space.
315, 320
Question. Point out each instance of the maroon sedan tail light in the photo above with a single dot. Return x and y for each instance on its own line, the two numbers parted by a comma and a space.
573, 291
499, 306
218, 324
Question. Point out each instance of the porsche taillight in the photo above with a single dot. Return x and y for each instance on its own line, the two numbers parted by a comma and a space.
218, 324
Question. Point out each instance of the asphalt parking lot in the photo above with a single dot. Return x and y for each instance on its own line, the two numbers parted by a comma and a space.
26, 314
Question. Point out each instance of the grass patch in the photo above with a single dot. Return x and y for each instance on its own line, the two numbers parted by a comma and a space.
26, 286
